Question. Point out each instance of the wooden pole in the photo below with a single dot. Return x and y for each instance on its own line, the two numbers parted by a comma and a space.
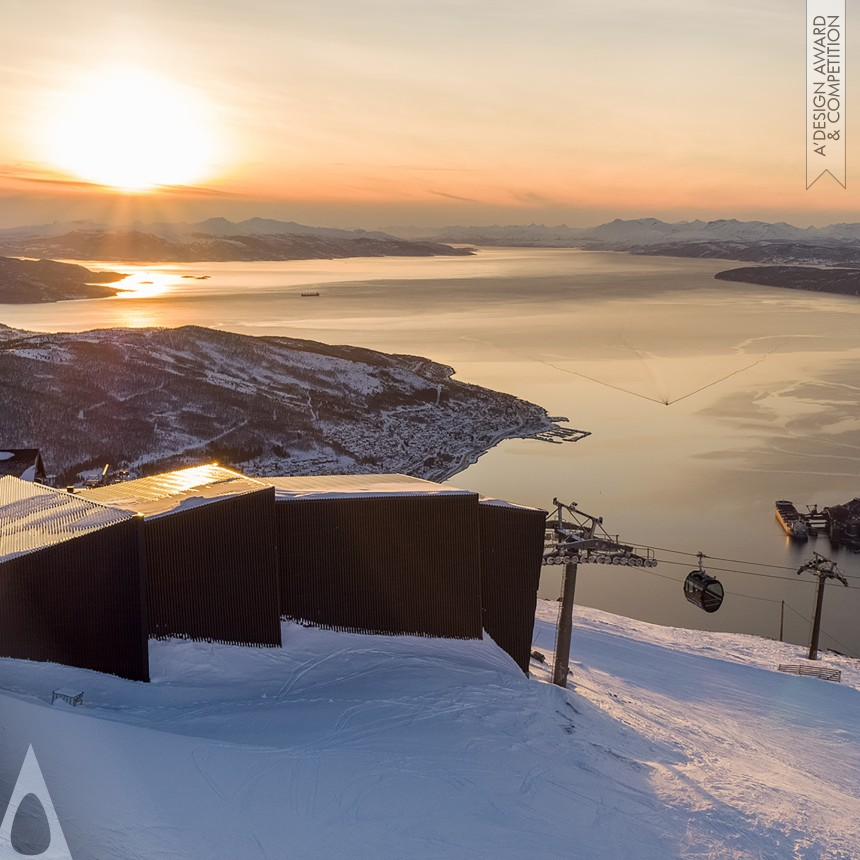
781, 619
816, 624
565, 626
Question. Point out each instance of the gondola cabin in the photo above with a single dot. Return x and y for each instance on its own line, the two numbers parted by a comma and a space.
703, 590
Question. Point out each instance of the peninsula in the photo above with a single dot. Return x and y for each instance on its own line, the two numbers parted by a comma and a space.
34, 281
153, 399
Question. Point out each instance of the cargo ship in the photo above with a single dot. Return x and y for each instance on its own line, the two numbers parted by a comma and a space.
791, 520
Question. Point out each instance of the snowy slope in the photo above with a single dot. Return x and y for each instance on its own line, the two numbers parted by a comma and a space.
672, 743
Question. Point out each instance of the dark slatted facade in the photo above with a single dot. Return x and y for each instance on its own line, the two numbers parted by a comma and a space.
213, 572
399, 563
71, 583
206, 553
511, 552
211, 554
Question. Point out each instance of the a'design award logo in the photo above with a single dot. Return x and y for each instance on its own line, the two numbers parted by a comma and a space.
30, 826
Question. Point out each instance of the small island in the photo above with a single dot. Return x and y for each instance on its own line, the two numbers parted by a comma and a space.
34, 281
844, 282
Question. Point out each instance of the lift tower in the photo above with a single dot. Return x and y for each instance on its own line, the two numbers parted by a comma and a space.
574, 537
824, 569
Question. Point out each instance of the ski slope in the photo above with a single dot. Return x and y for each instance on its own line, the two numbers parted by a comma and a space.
670, 744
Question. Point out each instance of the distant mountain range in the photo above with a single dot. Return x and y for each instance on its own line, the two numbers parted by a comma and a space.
753, 241
651, 231
182, 229
217, 239
638, 231
213, 240
153, 399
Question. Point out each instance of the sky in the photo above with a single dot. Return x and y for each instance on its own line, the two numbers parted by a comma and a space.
375, 113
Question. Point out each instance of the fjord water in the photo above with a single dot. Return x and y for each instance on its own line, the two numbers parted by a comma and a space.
707, 400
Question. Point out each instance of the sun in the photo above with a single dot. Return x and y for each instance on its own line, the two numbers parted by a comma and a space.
132, 130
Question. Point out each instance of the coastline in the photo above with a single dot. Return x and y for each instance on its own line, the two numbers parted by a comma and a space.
470, 457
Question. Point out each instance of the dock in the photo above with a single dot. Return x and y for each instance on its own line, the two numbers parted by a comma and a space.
557, 435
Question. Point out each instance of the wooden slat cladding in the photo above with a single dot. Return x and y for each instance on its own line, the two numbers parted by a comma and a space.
80, 602
395, 565
511, 554
212, 572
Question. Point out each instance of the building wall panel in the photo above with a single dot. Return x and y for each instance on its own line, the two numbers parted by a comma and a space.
394, 565
511, 553
80, 602
212, 572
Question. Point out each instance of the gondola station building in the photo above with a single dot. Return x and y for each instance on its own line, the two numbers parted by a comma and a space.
397, 554
208, 553
72, 581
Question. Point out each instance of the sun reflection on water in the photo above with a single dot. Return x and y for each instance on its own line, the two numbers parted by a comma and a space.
137, 318
145, 284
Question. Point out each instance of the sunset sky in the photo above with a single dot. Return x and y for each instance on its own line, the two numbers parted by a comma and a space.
384, 112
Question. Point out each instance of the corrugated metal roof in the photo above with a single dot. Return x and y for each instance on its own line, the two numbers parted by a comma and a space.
33, 517
171, 492
345, 486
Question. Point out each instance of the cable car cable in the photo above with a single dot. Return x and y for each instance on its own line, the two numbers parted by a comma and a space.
753, 597
747, 572
729, 560
849, 652
761, 564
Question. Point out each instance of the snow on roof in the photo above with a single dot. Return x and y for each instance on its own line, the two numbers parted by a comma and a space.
23, 463
171, 492
33, 517
361, 486
501, 503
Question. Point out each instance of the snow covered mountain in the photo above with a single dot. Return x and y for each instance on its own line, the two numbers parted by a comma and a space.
750, 241
669, 744
647, 231
514, 235
153, 399
259, 227
729, 239
215, 239
137, 246
636, 232
209, 227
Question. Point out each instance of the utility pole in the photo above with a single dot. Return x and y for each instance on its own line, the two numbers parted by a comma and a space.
781, 618
565, 626
572, 542
824, 569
